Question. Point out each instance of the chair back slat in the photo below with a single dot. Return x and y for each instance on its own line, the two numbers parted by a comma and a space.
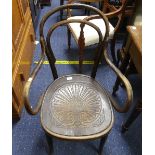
99, 48
102, 41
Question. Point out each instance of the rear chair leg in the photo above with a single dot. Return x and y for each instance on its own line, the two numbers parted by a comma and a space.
50, 144
102, 142
69, 38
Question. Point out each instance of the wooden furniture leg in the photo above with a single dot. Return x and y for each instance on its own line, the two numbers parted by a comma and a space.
61, 11
69, 38
87, 12
112, 47
122, 68
50, 144
120, 55
102, 142
134, 114
81, 43
131, 69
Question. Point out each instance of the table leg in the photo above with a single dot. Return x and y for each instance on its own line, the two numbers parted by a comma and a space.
122, 68
134, 114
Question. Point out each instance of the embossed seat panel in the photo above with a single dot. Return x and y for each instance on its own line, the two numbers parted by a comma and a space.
76, 105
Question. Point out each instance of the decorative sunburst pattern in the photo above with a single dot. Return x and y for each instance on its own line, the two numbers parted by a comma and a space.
76, 105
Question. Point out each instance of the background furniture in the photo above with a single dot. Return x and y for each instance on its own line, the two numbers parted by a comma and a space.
45, 3
136, 19
22, 51
90, 36
81, 1
130, 57
65, 110
133, 115
35, 7
133, 53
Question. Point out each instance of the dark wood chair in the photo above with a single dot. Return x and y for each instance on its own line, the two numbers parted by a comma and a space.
81, 1
90, 36
75, 106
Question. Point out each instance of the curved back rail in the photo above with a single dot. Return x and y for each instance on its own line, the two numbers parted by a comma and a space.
46, 49
49, 53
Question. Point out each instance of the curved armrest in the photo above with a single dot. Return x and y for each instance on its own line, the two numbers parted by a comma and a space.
127, 84
108, 15
27, 86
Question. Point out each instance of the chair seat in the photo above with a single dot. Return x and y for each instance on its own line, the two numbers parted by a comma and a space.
90, 34
76, 106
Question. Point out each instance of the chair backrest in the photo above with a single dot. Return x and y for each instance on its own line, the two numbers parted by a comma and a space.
110, 7
110, 10
45, 43
69, 11
120, 10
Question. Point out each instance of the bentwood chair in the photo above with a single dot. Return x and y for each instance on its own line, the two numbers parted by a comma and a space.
75, 106
90, 35
82, 1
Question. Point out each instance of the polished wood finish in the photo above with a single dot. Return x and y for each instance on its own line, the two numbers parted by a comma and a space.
136, 46
22, 50
102, 142
82, 1
131, 58
45, 3
133, 51
134, 114
110, 11
133, 55
70, 119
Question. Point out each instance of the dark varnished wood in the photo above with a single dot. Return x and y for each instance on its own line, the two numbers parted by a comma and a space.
110, 11
81, 43
122, 69
133, 51
102, 142
49, 144
78, 108
75, 106
132, 56
134, 114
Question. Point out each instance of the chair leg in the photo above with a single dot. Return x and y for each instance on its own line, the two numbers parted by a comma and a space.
81, 58
134, 114
61, 11
118, 57
87, 12
69, 38
81, 44
112, 47
101, 5
102, 142
122, 68
50, 144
